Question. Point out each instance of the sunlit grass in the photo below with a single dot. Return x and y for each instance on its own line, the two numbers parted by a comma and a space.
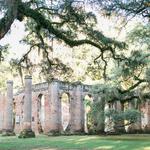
123, 142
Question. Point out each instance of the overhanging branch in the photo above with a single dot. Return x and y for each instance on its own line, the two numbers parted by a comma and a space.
46, 24
8, 19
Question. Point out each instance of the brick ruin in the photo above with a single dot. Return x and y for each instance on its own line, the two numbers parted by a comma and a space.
39, 107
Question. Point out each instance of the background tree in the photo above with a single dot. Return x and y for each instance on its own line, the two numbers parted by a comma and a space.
66, 21
125, 69
128, 8
127, 80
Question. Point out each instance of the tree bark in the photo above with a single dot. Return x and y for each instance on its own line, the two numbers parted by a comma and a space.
9, 17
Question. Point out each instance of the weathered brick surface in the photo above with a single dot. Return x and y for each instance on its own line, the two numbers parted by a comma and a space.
145, 118
8, 119
2, 104
18, 112
73, 114
57, 114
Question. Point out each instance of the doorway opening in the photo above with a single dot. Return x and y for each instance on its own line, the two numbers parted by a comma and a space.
88, 99
65, 110
41, 113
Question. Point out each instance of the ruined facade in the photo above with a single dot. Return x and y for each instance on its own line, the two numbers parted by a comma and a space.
39, 107
46, 107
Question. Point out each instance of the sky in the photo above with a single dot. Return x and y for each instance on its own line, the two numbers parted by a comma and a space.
12, 38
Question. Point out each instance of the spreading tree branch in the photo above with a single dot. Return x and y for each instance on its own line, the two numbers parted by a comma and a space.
9, 17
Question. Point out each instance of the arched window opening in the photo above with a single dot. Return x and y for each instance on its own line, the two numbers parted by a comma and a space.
41, 113
88, 99
65, 110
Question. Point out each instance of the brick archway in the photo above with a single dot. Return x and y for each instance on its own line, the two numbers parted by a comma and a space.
52, 93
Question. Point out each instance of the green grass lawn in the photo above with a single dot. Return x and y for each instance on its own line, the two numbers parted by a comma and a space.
123, 142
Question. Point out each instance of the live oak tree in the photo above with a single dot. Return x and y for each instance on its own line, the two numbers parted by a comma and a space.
65, 20
127, 8
5, 68
62, 20
128, 80
69, 21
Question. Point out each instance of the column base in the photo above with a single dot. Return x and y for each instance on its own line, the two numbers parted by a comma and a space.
0, 131
73, 132
146, 129
133, 129
6, 132
27, 133
120, 129
53, 133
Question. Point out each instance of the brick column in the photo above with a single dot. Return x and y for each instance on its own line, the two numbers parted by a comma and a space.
1, 112
55, 108
109, 124
27, 103
8, 119
99, 126
135, 127
47, 113
146, 127
27, 107
119, 127
77, 111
